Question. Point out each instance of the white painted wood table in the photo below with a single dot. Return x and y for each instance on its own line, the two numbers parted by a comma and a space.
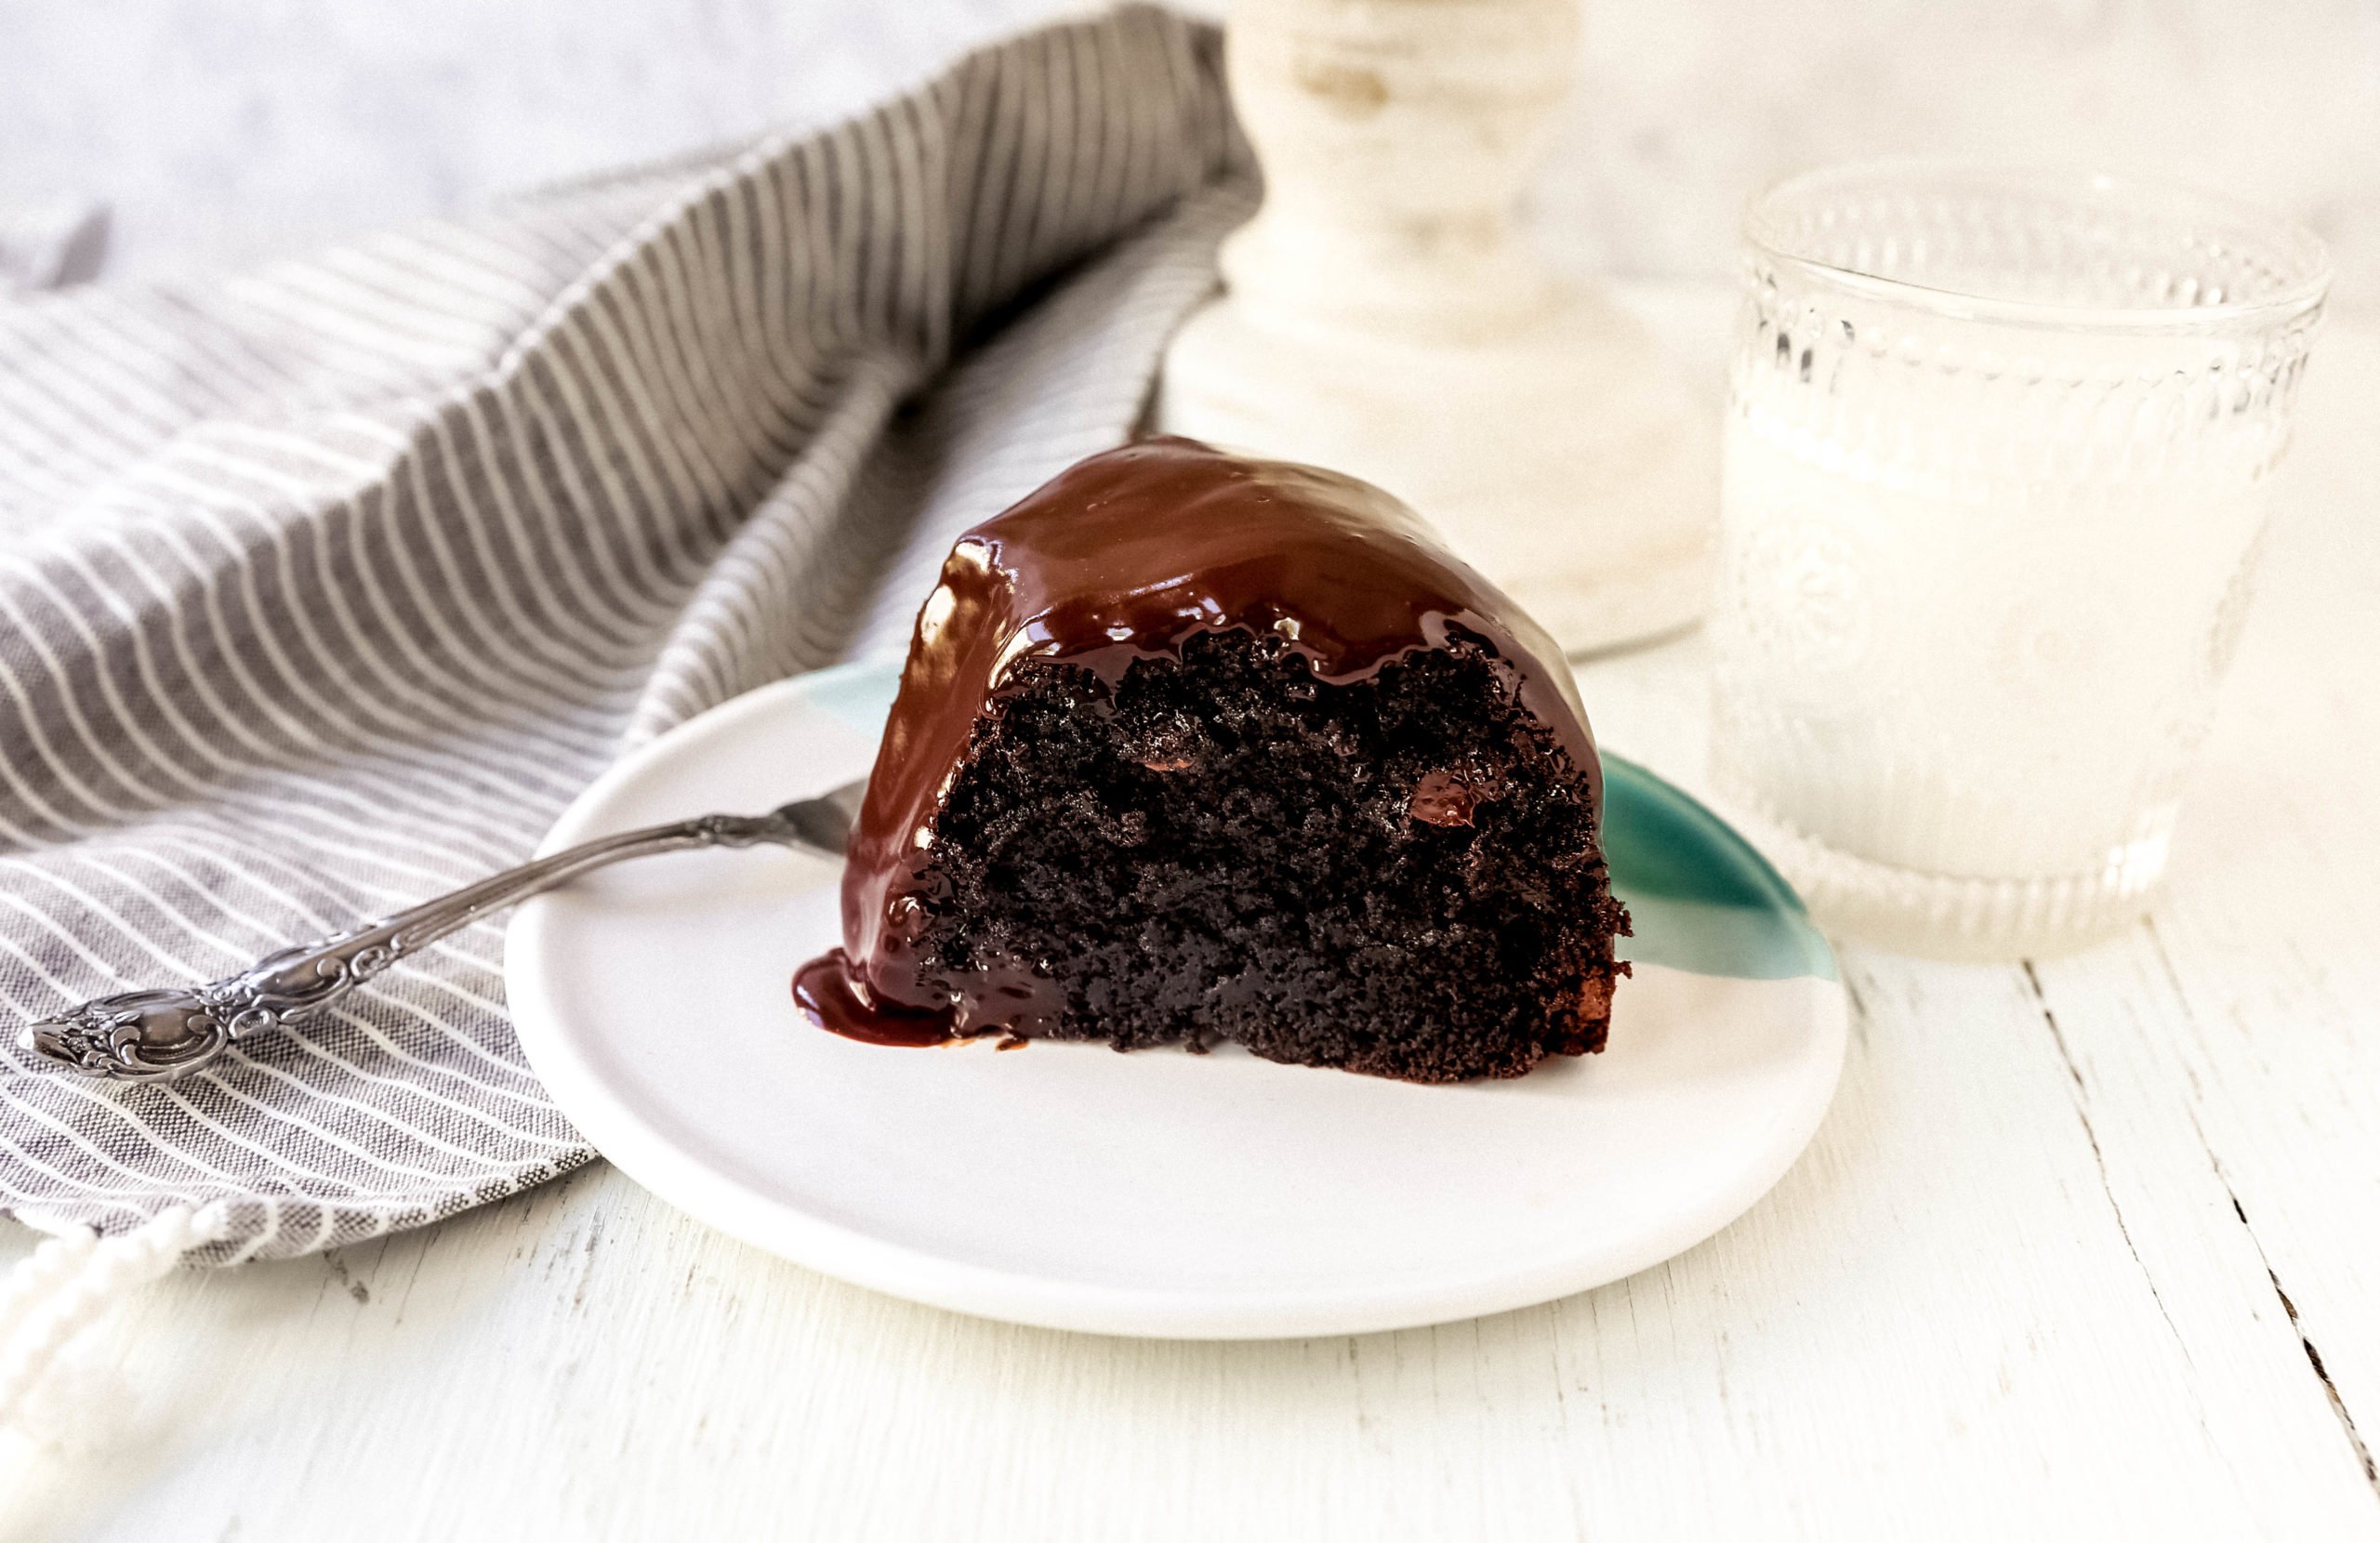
2087, 1248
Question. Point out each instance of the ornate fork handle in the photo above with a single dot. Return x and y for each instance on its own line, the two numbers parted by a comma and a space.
159, 1034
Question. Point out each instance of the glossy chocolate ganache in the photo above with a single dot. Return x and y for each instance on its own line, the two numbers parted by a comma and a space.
1131, 556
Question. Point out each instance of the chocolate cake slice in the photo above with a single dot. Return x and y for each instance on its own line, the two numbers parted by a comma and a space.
1192, 749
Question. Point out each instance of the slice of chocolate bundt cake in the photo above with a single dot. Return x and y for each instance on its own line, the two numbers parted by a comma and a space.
1194, 748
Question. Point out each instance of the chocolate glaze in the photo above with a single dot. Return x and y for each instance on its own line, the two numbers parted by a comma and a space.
831, 995
1127, 556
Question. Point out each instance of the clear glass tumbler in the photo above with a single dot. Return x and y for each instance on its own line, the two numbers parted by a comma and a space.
1998, 443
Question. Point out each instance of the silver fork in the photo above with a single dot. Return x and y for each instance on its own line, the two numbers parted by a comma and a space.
170, 1032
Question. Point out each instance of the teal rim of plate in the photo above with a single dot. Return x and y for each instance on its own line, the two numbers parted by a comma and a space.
858, 695
1703, 899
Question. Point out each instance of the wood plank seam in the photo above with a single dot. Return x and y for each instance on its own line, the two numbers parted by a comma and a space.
2313, 1356
2083, 1113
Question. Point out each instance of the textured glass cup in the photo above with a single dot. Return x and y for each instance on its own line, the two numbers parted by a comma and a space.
1997, 445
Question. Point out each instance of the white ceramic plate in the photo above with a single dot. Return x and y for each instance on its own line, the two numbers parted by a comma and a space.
1159, 1192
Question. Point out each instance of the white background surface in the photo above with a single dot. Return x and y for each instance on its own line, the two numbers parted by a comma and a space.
221, 131
2061, 1263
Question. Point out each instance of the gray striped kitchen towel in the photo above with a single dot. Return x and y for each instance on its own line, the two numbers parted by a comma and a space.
323, 590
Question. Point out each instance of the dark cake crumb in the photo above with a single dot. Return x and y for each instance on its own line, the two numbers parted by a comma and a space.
1398, 874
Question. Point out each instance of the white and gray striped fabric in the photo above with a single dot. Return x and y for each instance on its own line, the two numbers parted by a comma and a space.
323, 590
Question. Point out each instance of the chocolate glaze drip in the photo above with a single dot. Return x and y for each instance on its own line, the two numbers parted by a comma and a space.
1127, 556
831, 995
